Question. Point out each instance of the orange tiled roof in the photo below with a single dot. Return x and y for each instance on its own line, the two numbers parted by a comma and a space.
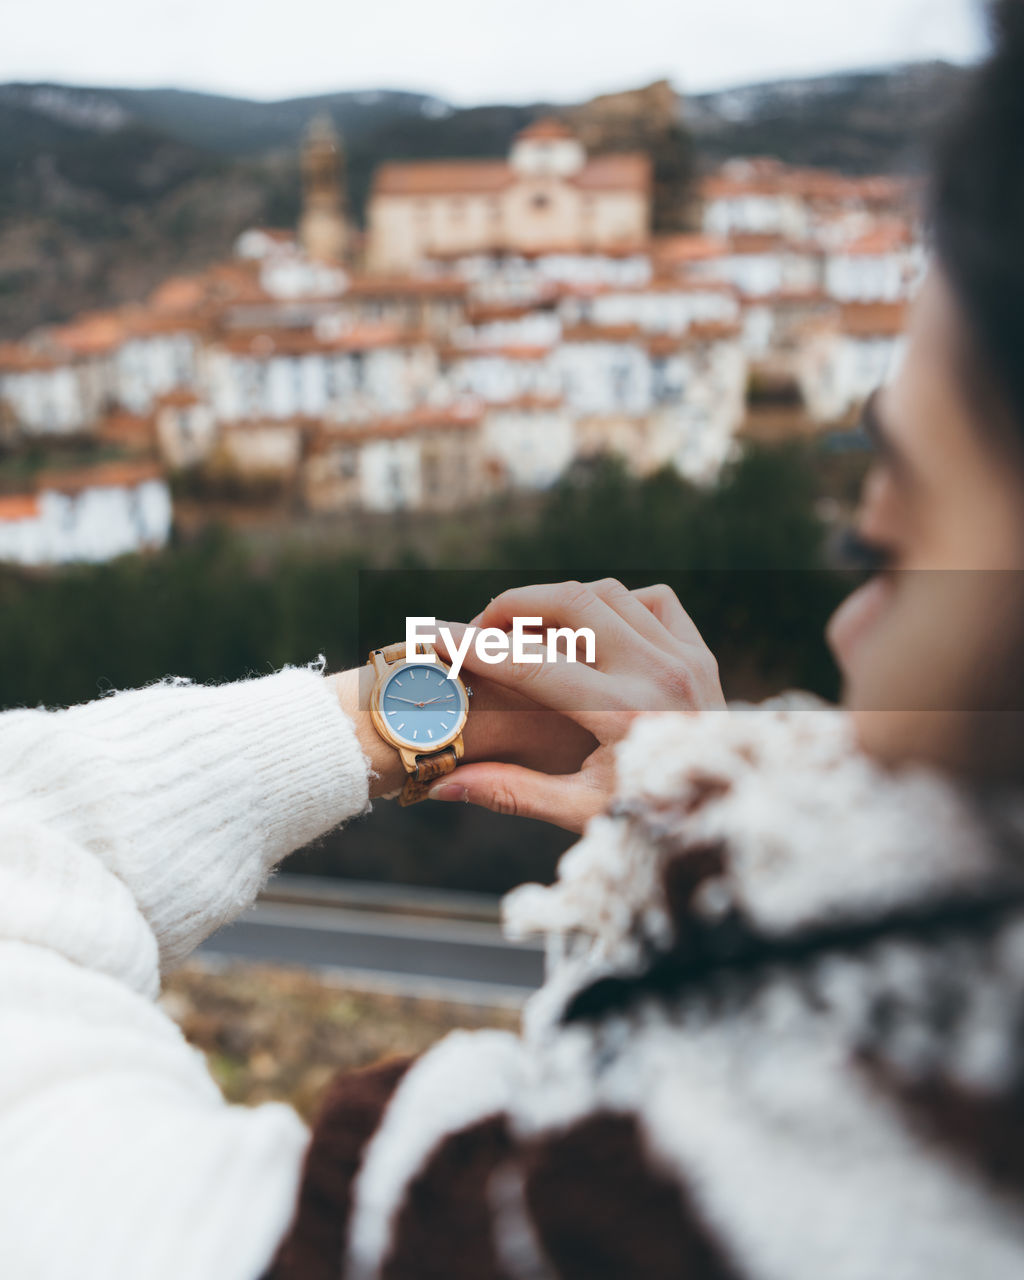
295, 422
713, 331
510, 351
767, 176
603, 333
92, 333
405, 286
459, 417
104, 475
615, 172
179, 398
789, 297
177, 294
681, 249
544, 130
526, 402
873, 319
887, 237
684, 283
488, 312
18, 506
442, 177
263, 344
625, 171
16, 357
126, 428
234, 281
143, 322
748, 243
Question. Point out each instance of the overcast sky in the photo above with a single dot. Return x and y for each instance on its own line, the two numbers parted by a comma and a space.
470, 50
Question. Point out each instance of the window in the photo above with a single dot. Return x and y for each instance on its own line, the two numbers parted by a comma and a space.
254, 387
431, 474
621, 379
348, 462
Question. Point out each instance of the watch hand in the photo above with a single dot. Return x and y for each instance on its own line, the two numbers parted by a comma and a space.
411, 701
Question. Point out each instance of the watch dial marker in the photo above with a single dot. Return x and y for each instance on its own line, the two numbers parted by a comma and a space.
432, 709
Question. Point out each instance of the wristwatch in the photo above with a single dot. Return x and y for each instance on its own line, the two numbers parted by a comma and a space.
421, 711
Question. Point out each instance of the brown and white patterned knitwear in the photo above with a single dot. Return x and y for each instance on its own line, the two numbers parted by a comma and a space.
780, 1039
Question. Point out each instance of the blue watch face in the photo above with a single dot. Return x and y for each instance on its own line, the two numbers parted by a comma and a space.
422, 707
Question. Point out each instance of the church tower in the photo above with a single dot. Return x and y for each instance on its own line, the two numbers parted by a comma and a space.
323, 228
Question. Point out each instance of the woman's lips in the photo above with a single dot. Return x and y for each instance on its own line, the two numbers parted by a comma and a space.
855, 617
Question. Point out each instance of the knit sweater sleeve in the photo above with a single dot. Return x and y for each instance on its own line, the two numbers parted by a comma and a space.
130, 829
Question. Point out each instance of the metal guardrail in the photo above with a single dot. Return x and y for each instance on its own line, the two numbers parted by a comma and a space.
363, 895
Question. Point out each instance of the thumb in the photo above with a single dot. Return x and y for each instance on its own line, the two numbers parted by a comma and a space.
564, 801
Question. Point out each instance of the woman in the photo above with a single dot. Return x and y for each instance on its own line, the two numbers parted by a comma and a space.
780, 1035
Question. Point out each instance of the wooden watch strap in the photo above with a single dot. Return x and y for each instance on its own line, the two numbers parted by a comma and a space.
429, 767
396, 652
428, 770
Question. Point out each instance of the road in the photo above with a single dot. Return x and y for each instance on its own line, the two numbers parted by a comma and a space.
413, 944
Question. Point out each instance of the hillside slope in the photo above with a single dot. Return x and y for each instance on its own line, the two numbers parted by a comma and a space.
103, 192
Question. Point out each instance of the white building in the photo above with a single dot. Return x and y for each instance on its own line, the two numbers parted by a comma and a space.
427, 460
157, 356
528, 443
503, 375
548, 195
605, 371
91, 515
845, 358
665, 306
185, 429
882, 265
517, 279
289, 374
45, 395
765, 266
755, 197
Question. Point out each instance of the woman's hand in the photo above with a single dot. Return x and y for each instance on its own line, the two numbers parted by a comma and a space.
649, 657
504, 726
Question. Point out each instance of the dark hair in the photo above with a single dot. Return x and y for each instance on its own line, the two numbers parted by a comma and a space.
977, 217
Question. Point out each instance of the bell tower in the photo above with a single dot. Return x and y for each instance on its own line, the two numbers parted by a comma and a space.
323, 227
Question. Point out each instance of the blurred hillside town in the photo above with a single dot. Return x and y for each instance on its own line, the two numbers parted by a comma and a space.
495, 323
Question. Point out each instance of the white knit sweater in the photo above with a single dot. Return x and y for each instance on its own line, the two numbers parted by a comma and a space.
131, 829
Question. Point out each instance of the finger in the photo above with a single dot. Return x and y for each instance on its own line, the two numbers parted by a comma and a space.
565, 802
454, 629
550, 685
664, 604
557, 684
632, 611
557, 604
